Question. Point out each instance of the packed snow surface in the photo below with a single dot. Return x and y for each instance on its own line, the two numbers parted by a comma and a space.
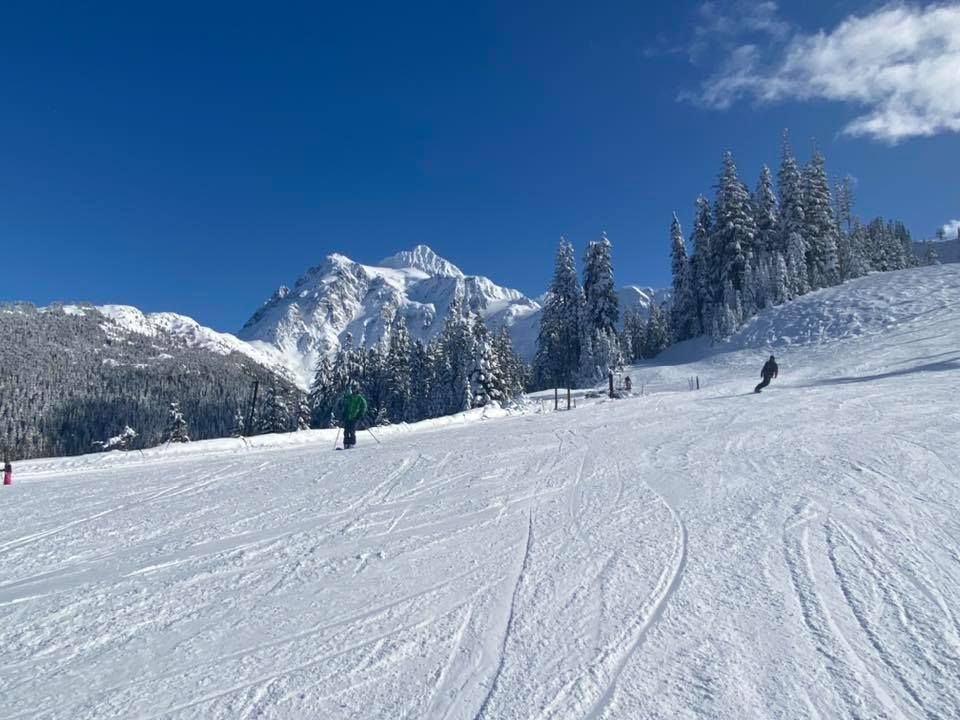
711, 554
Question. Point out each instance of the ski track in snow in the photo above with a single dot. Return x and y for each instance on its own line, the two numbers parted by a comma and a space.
712, 554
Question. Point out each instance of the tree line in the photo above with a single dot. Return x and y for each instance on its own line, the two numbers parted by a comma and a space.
750, 251
747, 251
465, 366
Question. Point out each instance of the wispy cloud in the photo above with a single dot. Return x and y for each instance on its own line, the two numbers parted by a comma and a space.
900, 64
726, 23
951, 229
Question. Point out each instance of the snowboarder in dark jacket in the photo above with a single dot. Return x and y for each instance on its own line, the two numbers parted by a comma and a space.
352, 409
768, 372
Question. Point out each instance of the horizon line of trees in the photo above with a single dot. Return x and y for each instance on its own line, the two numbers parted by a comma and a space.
755, 250
749, 251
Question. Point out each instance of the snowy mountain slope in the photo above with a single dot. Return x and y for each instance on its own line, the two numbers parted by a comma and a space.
342, 297
712, 554
128, 319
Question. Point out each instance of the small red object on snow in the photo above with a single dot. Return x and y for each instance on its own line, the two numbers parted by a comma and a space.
7, 477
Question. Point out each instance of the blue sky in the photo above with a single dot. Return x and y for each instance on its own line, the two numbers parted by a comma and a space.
193, 157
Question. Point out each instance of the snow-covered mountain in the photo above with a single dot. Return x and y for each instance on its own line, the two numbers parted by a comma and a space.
186, 331
642, 298
342, 298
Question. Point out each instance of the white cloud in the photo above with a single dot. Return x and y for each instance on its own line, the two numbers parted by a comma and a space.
723, 23
951, 229
900, 64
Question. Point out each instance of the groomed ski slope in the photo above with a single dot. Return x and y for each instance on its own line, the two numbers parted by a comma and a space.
712, 554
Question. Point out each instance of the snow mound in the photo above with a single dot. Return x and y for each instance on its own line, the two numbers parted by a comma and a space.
874, 304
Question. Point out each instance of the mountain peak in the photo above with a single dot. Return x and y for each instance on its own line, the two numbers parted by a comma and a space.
424, 259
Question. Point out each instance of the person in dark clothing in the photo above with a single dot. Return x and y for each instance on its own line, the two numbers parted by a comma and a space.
7, 473
767, 374
352, 410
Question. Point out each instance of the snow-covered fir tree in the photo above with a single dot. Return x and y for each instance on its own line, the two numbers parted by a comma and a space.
657, 337
421, 381
701, 261
514, 371
792, 243
599, 343
323, 392
684, 312
558, 343
275, 414
304, 413
398, 370
455, 346
601, 309
844, 199
823, 267
177, 429
487, 376
734, 230
635, 333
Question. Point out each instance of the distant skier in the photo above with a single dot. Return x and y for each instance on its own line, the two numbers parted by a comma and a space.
352, 409
767, 374
628, 384
7, 473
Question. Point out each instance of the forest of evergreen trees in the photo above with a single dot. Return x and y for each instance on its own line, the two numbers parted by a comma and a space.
748, 251
70, 386
465, 367
755, 250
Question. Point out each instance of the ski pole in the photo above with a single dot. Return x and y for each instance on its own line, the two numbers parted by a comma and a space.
374, 436
336, 439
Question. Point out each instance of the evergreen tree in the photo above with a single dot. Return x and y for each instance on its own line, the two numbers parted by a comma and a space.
398, 371
601, 309
930, 255
779, 279
684, 314
704, 280
635, 328
177, 429
514, 372
558, 343
275, 416
730, 316
323, 391
421, 375
455, 348
844, 200
765, 214
792, 243
657, 332
823, 268
734, 229
487, 377
858, 242
304, 412
374, 385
